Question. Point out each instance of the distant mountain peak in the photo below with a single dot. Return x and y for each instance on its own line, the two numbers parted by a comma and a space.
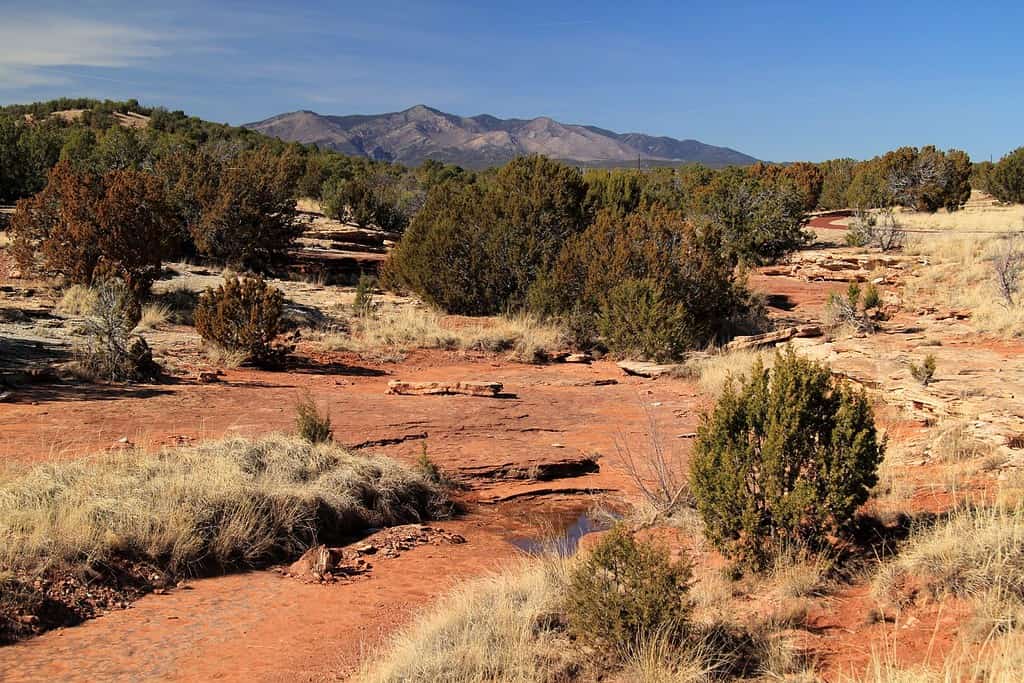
422, 132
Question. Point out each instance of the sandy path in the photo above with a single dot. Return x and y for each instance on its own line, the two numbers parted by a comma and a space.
258, 626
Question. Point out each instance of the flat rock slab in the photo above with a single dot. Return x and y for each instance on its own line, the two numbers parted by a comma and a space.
487, 389
771, 338
645, 369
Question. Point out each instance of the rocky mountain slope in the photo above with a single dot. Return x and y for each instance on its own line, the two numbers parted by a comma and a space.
420, 133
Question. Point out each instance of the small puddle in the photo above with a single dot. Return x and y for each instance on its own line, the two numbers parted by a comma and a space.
562, 539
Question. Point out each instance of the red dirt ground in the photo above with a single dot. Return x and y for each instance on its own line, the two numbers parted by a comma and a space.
262, 626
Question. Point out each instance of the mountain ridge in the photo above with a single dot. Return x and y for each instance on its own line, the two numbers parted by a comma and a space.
420, 132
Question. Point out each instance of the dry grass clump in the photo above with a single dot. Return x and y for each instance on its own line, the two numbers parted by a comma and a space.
180, 302
311, 423
975, 551
716, 370
225, 358
798, 573
77, 301
961, 270
956, 443
503, 627
395, 331
390, 333
153, 316
218, 505
1000, 660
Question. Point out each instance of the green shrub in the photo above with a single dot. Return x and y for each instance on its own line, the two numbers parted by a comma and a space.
784, 460
428, 468
247, 215
872, 299
362, 305
638, 321
696, 282
363, 201
626, 591
311, 424
924, 372
243, 315
761, 220
850, 309
477, 247
1006, 179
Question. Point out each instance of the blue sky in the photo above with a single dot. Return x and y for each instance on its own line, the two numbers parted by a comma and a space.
778, 80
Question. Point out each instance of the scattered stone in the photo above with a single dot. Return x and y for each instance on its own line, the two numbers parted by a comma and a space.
579, 358
209, 377
486, 389
323, 564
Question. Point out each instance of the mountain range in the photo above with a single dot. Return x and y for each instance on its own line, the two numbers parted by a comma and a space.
421, 133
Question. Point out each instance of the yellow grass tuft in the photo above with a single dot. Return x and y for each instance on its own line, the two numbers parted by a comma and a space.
77, 301
224, 503
714, 372
490, 629
390, 333
153, 317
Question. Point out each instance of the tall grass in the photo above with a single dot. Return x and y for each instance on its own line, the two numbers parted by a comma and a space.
975, 552
490, 629
219, 505
388, 333
960, 275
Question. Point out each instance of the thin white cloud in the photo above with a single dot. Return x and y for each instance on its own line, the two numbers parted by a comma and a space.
33, 45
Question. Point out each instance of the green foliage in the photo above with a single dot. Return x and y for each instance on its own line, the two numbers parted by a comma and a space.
243, 314
784, 460
923, 179
852, 309
615, 191
27, 152
1006, 180
428, 468
872, 299
837, 175
638, 321
477, 247
247, 215
924, 372
364, 201
981, 176
761, 220
628, 590
672, 268
362, 305
958, 180
311, 424
868, 189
